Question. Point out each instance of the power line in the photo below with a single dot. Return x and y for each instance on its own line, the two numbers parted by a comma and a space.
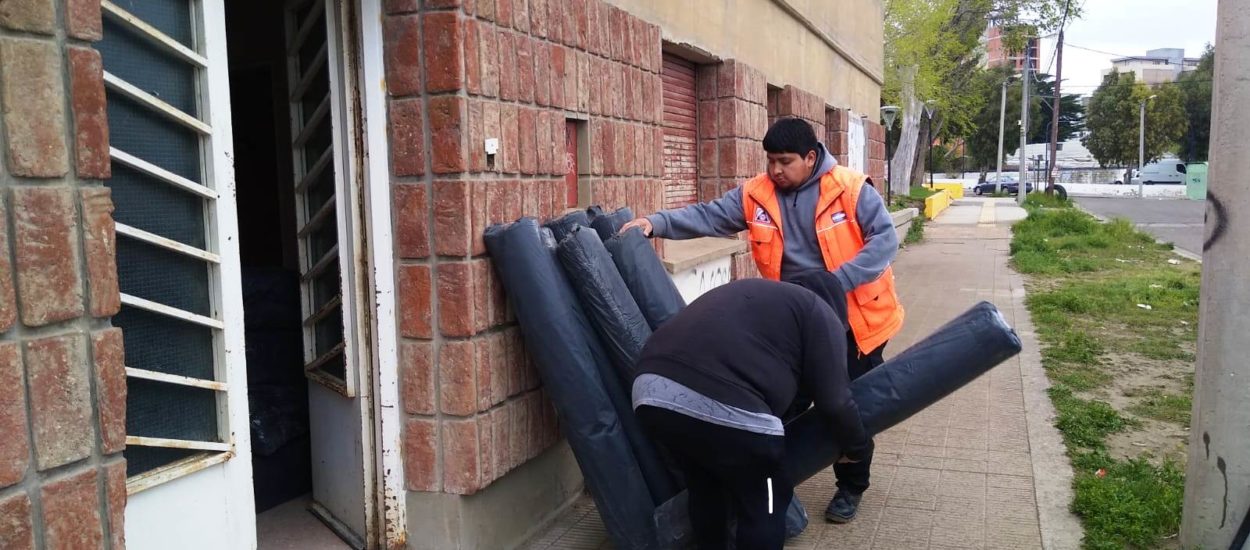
1175, 83
1165, 61
1062, 23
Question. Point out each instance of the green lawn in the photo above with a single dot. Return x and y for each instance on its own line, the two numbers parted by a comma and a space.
1118, 324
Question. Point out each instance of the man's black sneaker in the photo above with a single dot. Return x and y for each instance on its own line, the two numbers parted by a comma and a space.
843, 507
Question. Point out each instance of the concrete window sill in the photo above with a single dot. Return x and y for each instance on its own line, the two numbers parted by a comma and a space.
682, 255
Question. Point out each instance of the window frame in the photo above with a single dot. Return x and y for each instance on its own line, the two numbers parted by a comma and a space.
207, 56
346, 198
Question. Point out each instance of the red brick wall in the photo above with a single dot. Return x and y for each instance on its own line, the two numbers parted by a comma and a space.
61, 367
837, 134
794, 102
460, 72
733, 117
875, 134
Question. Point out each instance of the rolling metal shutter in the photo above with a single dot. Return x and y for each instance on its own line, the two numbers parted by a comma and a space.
680, 133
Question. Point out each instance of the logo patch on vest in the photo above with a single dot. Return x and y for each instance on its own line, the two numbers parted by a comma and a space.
838, 217
761, 216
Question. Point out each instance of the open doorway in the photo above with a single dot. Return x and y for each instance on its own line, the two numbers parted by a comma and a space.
309, 450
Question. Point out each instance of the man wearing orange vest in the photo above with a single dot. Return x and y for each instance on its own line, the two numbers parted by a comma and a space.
808, 213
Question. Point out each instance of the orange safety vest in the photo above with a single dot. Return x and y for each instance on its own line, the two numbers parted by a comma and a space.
873, 309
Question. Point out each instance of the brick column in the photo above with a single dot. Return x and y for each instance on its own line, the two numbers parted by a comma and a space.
63, 410
837, 133
733, 117
875, 134
796, 102
459, 73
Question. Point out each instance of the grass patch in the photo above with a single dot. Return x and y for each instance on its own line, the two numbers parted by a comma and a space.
1168, 407
1085, 424
915, 231
1042, 200
1098, 290
1133, 505
921, 193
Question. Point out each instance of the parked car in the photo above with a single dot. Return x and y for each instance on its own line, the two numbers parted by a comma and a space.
1011, 185
1162, 172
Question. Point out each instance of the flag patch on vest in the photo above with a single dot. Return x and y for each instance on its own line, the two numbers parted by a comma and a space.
838, 217
762, 216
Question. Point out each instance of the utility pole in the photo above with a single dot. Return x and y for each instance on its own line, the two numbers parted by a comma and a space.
1141, 152
1002, 121
1217, 482
1141, 149
928, 136
1024, 120
1054, 110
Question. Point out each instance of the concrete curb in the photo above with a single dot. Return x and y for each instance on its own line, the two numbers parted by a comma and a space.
1052, 471
903, 220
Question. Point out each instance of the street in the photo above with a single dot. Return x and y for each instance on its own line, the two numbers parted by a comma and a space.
1178, 221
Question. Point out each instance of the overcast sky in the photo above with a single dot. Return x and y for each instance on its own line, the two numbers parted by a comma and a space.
1128, 27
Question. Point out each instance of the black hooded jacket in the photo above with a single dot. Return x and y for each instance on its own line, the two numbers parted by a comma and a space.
753, 344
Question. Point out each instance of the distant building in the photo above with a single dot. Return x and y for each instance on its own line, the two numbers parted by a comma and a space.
996, 54
1157, 66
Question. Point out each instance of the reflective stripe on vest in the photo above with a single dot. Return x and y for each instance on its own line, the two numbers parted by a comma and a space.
873, 309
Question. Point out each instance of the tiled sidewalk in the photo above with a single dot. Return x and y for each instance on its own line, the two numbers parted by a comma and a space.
961, 473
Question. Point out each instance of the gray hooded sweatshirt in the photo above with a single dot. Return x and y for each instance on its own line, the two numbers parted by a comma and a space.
723, 218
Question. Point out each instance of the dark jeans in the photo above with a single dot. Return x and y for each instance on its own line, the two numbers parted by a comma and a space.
853, 476
729, 473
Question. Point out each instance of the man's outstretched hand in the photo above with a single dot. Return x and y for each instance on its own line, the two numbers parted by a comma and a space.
641, 223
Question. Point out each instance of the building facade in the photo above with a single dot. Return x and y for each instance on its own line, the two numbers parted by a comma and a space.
996, 53
1156, 67
242, 260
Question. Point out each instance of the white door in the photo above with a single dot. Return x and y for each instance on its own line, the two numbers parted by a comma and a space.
188, 447
856, 144
320, 64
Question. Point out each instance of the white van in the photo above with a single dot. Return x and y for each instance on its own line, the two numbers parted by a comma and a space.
1163, 172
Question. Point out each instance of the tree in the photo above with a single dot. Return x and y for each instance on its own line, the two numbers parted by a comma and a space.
1113, 120
1071, 112
982, 143
1196, 88
931, 54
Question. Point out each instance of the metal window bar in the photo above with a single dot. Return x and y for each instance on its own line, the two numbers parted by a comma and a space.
323, 161
156, 104
312, 214
175, 470
318, 116
152, 34
176, 379
161, 173
306, 79
325, 262
306, 26
172, 312
318, 218
177, 443
326, 357
166, 243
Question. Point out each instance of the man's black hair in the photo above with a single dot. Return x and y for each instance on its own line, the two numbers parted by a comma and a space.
791, 135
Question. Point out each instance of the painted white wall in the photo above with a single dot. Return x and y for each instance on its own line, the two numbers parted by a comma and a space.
857, 149
703, 277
